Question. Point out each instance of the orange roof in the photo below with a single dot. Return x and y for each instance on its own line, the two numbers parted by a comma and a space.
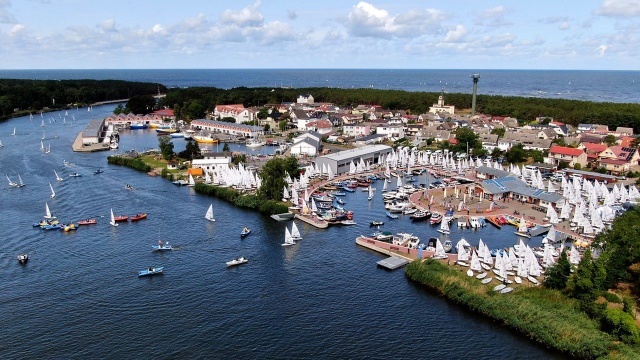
591, 147
562, 150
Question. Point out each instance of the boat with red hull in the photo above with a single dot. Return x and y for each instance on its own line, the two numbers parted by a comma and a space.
138, 217
87, 222
120, 218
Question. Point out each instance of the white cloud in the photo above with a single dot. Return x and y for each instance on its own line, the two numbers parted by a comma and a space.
108, 25
158, 29
249, 16
366, 20
456, 35
275, 31
16, 29
5, 16
493, 17
601, 50
619, 8
564, 26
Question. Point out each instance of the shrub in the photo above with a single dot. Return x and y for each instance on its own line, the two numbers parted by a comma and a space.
620, 324
611, 297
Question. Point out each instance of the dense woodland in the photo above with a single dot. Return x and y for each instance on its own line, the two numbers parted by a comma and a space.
194, 101
20, 96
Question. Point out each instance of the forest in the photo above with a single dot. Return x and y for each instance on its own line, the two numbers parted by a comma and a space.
193, 101
18, 97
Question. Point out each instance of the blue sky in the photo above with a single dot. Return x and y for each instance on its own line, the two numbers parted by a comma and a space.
452, 34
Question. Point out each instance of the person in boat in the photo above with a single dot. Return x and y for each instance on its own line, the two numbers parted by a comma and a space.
245, 229
160, 243
150, 269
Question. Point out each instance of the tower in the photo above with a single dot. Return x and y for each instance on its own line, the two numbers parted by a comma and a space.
475, 78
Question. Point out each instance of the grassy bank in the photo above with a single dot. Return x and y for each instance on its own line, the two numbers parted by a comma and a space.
134, 163
248, 201
546, 316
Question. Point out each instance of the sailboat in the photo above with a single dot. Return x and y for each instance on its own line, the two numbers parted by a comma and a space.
48, 149
14, 131
20, 182
255, 142
209, 214
191, 181
444, 226
1, 143
384, 186
295, 233
113, 219
370, 193
42, 123
47, 212
43, 135
58, 178
53, 193
41, 145
11, 183
288, 240
522, 229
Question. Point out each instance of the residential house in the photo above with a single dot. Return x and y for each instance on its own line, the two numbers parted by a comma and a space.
322, 126
356, 130
212, 161
370, 139
593, 150
432, 132
560, 154
392, 132
629, 155
624, 131
489, 141
304, 99
413, 129
301, 119
306, 144
236, 111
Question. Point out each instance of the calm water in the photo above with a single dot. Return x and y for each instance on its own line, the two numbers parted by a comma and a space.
609, 86
79, 296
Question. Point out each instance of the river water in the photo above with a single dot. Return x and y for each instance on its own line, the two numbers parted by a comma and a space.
79, 295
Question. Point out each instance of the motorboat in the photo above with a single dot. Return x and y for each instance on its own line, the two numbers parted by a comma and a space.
151, 271
376, 223
420, 215
348, 222
390, 215
447, 245
120, 218
75, 174
136, 217
436, 218
246, 231
239, 261
23, 258
162, 247
87, 222
99, 171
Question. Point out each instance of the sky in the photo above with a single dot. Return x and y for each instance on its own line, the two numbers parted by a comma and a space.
391, 34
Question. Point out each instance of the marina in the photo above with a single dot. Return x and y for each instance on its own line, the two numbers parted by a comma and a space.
70, 277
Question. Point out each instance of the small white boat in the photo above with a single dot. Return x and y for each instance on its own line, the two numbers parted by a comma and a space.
481, 276
162, 247
113, 219
238, 261
11, 183
506, 290
47, 212
470, 273
23, 258
209, 214
523, 231
288, 239
58, 178
444, 226
486, 280
533, 280
462, 263
499, 287
518, 280
53, 193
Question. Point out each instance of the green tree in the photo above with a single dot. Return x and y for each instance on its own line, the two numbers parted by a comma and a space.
228, 119
467, 139
536, 155
196, 110
263, 114
119, 109
166, 147
191, 151
563, 165
496, 152
498, 131
273, 174
557, 275
282, 125
226, 147
267, 127
577, 166
559, 141
516, 154
610, 140
141, 104
582, 284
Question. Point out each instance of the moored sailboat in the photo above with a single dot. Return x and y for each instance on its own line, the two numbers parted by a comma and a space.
288, 239
209, 214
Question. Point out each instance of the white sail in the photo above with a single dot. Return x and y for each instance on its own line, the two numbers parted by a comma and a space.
58, 178
384, 186
475, 262
11, 183
461, 249
551, 236
209, 214
288, 240
440, 253
574, 256
192, 182
47, 212
370, 193
1, 143
444, 226
295, 233
20, 182
285, 194
113, 219
53, 193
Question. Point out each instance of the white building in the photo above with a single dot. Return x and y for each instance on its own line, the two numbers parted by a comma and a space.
304, 99
226, 128
393, 132
212, 161
306, 144
440, 107
236, 111
340, 162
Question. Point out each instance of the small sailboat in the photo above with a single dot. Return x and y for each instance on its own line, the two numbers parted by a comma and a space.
43, 136
20, 182
113, 219
58, 178
48, 149
41, 145
444, 226
42, 124
370, 193
11, 183
1, 143
209, 214
523, 231
192, 182
288, 240
53, 193
47, 212
295, 233
14, 132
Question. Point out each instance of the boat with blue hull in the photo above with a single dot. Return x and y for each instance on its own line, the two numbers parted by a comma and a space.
151, 271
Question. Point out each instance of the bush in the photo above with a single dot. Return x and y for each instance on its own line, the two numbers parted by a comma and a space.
611, 297
134, 163
246, 201
620, 324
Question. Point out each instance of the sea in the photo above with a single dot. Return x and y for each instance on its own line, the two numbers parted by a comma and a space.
79, 295
600, 86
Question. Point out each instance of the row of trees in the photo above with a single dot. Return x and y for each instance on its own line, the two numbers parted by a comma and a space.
525, 109
36, 95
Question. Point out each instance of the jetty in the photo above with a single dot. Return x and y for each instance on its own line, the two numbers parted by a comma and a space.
92, 138
313, 220
392, 263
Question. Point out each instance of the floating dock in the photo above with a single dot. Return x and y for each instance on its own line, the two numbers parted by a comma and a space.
283, 216
538, 231
313, 220
392, 263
